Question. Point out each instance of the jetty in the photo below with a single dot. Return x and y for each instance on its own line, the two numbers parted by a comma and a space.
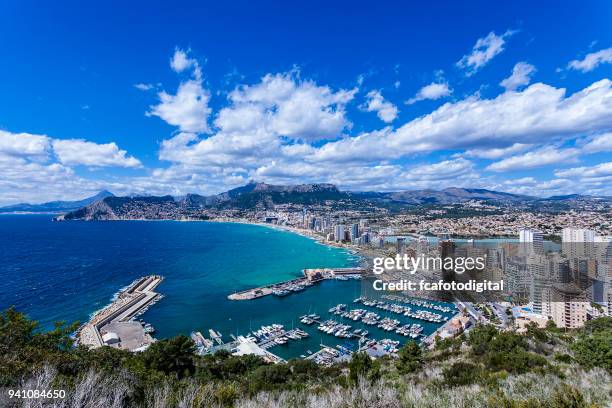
114, 325
311, 276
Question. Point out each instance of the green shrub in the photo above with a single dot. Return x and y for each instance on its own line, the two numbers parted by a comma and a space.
410, 358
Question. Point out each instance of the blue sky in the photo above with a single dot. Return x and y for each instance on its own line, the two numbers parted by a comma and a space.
151, 98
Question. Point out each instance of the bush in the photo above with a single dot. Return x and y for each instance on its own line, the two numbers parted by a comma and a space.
563, 358
174, 356
594, 350
269, 377
360, 366
567, 396
516, 361
410, 358
462, 373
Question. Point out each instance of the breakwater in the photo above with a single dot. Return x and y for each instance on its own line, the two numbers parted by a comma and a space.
113, 326
311, 276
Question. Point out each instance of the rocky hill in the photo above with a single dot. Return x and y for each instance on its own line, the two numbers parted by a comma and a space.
262, 196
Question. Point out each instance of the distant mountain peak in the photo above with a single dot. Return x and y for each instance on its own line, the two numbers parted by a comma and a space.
56, 206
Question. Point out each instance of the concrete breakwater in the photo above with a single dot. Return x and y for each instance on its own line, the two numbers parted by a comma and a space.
113, 325
311, 276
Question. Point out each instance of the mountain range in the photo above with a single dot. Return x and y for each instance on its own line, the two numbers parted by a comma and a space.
54, 207
255, 195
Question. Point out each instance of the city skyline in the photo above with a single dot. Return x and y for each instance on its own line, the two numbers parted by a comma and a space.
182, 101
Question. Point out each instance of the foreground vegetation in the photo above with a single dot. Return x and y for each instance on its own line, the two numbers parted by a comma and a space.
488, 368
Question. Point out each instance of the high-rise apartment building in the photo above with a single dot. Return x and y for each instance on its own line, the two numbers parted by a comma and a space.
531, 241
568, 306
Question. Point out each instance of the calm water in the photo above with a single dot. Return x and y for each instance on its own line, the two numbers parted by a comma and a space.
68, 270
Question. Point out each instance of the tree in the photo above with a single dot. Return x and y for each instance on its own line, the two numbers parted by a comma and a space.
269, 377
594, 350
359, 366
598, 325
410, 358
480, 338
173, 356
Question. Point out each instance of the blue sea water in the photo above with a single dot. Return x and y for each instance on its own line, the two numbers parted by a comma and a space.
65, 271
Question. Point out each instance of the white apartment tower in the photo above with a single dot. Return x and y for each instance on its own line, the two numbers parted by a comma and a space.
578, 243
339, 233
531, 241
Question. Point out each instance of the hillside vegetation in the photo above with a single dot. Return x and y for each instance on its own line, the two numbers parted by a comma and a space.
543, 368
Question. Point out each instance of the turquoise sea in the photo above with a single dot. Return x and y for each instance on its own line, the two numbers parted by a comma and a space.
65, 271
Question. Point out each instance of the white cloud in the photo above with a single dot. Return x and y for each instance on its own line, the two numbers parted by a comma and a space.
24, 145
599, 143
536, 158
540, 113
435, 90
600, 170
299, 110
592, 60
180, 61
385, 110
444, 170
72, 152
483, 51
521, 76
144, 87
188, 109
36, 168
496, 153
523, 181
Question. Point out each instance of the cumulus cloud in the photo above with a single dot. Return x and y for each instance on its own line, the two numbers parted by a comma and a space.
538, 113
37, 168
600, 170
295, 109
496, 153
259, 120
181, 61
483, 51
444, 170
592, 60
73, 152
24, 145
521, 76
188, 109
435, 90
536, 158
599, 143
385, 110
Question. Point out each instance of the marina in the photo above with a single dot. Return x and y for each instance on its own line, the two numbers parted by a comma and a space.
311, 276
378, 327
195, 293
117, 326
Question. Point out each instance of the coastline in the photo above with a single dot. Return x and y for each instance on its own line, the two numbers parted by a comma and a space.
364, 260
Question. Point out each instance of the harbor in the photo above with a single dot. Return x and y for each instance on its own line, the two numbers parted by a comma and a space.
115, 325
311, 276
376, 327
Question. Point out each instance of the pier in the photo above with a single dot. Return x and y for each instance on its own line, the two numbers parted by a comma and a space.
311, 276
113, 326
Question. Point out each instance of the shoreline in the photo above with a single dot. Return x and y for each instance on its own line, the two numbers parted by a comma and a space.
364, 260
